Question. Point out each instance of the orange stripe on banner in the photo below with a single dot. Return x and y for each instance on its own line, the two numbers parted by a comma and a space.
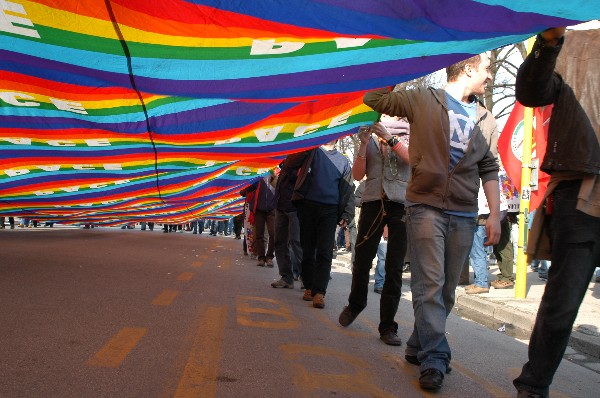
165, 298
199, 377
115, 351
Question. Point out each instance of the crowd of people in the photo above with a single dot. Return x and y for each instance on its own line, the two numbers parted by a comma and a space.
429, 190
431, 182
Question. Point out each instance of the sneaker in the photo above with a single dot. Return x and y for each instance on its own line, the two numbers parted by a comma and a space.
307, 295
498, 284
529, 394
283, 284
347, 316
319, 300
378, 290
390, 337
431, 379
543, 277
260, 263
270, 263
468, 287
477, 290
413, 360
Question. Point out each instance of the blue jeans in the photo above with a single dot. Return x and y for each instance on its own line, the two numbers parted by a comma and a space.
380, 269
317, 236
287, 243
439, 245
478, 257
575, 255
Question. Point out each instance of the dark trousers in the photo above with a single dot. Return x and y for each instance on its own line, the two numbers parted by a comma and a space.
575, 255
317, 236
370, 229
504, 252
262, 218
287, 243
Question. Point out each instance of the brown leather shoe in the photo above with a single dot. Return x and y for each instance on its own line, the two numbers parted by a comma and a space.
307, 295
498, 284
478, 290
319, 300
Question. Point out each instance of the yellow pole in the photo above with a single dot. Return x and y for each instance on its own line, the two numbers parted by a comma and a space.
521, 277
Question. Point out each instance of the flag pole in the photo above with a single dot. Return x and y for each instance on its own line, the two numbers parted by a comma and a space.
525, 196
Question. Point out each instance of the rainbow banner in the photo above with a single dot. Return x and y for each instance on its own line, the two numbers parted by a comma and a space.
131, 110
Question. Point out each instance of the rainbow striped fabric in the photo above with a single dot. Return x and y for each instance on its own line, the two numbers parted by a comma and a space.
133, 110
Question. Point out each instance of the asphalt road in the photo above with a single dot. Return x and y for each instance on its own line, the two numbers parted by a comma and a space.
130, 313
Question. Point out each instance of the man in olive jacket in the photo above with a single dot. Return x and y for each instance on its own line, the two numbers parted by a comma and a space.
453, 145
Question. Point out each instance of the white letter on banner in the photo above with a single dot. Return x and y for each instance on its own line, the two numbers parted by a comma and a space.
309, 129
340, 119
228, 141
16, 172
267, 47
83, 167
268, 134
68, 106
242, 171
54, 167
7, 21
113, 166
98, 142
12, 98
61, 143
42, 193
98, 185
18, 141
345, 42
121, 182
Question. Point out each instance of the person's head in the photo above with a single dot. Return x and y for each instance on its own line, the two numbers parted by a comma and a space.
475, 71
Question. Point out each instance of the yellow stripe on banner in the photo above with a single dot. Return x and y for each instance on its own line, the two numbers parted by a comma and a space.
199, 377
117, 349
165, 298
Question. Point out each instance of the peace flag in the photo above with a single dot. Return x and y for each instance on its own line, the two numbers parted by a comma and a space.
129, 110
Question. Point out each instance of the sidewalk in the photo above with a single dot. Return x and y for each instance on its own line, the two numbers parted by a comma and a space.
500, 307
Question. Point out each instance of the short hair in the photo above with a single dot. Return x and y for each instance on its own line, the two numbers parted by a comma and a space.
454, 71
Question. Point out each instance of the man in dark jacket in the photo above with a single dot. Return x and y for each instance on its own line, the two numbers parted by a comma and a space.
324, 197
287, 227
573, 195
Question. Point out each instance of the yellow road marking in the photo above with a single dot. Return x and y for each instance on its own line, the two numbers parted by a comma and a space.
199, 377
248, 307
165, 298
115, 351
185, 276
310, 380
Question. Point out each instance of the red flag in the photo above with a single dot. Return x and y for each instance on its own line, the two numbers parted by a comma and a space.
510, 148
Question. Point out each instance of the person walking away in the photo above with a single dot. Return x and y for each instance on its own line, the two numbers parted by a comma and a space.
323, 195
287, 226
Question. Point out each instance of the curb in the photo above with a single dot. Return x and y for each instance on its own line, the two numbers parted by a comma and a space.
513, 318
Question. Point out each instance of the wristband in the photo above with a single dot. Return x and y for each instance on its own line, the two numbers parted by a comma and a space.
397, 146
392, 141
